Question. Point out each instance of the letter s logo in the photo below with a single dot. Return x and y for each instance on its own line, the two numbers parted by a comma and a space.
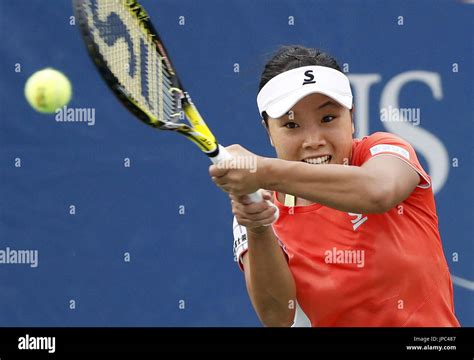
309, 79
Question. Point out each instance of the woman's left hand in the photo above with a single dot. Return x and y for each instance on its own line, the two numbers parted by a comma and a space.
240, 174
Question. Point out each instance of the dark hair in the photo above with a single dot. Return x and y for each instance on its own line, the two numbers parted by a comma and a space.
291, 57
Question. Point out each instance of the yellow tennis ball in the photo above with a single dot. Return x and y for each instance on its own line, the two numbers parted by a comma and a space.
47, 90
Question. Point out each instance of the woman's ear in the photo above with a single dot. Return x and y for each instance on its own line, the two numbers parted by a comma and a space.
264, 124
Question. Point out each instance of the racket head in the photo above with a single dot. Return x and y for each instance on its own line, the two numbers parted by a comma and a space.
132, 60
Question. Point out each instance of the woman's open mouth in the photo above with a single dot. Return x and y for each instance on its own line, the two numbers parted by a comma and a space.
318, 160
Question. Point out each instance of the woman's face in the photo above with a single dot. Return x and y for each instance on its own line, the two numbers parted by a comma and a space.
316, 130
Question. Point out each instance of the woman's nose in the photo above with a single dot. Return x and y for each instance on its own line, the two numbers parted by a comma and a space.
313, 139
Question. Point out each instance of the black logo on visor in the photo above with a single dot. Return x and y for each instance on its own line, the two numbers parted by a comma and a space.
309, 79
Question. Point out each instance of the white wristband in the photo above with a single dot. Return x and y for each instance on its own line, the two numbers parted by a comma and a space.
240, 240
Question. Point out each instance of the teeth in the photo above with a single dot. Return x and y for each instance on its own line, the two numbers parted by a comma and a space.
318, 160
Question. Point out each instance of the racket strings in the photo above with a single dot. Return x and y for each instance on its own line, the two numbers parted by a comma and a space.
131, 54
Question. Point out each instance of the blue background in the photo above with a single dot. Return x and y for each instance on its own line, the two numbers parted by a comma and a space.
188, 257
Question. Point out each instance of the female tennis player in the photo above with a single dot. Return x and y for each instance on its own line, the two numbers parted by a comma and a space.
357, 240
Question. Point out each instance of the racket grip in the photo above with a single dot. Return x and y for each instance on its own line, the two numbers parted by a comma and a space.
222, 154
255, 197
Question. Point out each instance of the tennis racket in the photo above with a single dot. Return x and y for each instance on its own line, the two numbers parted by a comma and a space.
130, 56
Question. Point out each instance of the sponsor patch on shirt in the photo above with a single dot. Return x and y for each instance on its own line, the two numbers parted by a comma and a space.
389, 148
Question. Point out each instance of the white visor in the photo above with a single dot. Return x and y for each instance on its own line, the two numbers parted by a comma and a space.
283, 91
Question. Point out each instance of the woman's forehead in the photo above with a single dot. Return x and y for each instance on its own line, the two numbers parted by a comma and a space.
312, 103
315, 101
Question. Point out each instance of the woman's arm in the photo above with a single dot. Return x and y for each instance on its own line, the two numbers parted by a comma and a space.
375, 187
268, 278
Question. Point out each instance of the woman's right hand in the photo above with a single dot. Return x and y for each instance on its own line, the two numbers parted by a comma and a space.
254, 216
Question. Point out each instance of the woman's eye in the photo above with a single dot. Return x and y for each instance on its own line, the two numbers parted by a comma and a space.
291, 125
328, 118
